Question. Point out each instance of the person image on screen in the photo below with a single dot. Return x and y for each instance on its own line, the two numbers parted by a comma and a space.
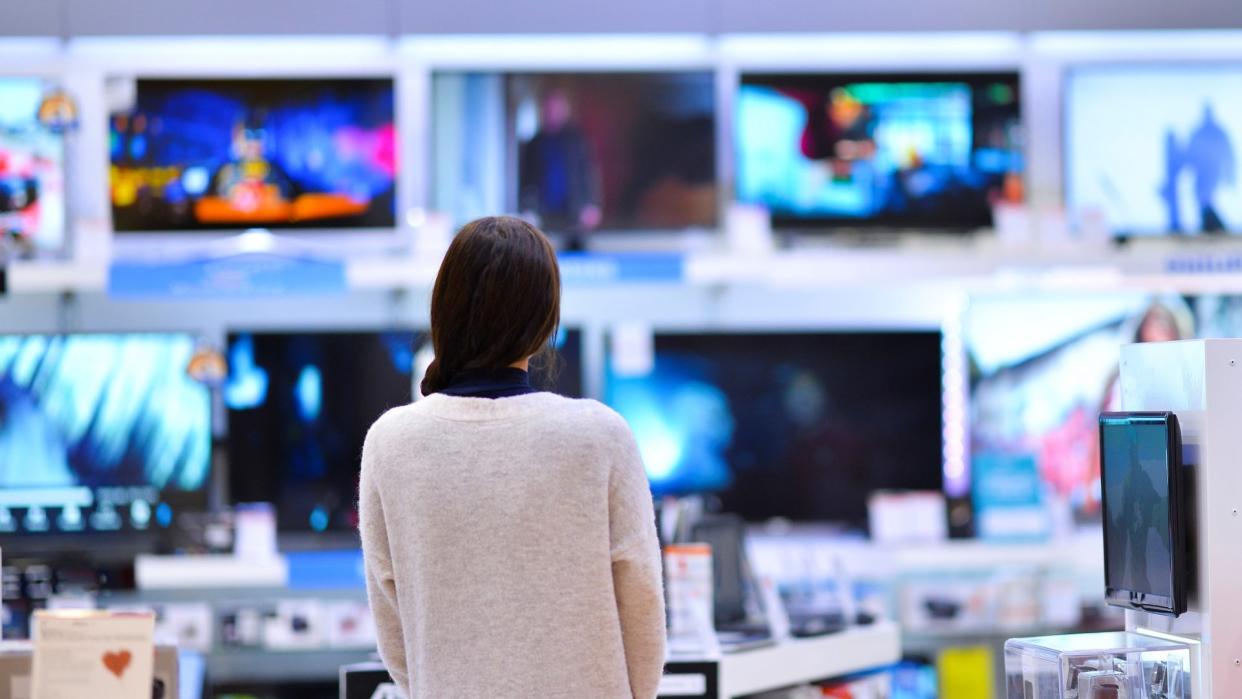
1210, 157
251, 180
559, 180
508, 534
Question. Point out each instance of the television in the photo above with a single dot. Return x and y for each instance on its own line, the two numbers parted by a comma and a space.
1154, 149
577, 152
299, 408
204, 155
915, 151
32, 178
101, 433
1044, 366
803, 426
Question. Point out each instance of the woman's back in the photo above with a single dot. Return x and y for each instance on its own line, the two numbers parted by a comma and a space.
511, 550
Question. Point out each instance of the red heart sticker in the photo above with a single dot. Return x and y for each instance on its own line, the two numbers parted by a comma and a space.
117, 662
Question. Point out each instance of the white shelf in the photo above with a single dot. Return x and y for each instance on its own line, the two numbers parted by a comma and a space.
800, 661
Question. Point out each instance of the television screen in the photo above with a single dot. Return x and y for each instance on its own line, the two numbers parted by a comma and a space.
802, 426
299, 407
901, 151
225, 154
1044, 366
32, 181
577, 152
1154, 149
100, 433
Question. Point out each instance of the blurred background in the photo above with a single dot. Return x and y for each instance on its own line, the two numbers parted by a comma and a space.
856, 275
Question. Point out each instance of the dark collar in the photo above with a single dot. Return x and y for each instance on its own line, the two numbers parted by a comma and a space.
490, 383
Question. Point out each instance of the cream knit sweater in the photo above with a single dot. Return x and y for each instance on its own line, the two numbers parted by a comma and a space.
511, 550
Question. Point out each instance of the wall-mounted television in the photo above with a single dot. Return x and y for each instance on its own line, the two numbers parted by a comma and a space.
577, 152
204, 155
32, 178
1154, 149
802, 426
100, 433
914, 151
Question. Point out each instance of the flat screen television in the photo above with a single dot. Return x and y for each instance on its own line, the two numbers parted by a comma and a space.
1044, 366
203, 155
299, 407
32, 178
577, 152
100, 433
916, 151
1154, 149
802, 426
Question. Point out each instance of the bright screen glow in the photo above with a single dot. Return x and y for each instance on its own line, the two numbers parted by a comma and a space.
1155, 149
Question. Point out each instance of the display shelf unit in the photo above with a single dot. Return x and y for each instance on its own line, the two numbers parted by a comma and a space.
797, 661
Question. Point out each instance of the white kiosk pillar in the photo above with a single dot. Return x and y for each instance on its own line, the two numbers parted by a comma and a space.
1201, 381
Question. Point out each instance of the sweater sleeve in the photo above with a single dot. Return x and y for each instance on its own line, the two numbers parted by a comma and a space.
636, 569
377, 562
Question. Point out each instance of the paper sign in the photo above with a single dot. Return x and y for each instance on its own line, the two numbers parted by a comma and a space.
93, 654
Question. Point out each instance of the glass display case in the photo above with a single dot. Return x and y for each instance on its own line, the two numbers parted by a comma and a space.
1112, 665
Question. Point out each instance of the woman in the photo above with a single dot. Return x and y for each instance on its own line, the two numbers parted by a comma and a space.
509, 535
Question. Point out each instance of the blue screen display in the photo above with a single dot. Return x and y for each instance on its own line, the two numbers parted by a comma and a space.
219, 154
1153, 150
300, 405
803, 426
906, 151
99, 432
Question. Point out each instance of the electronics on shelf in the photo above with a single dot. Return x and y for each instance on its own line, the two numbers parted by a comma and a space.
797, 425
920, 151
581, 152
1153, 149
202, 155
32, 177
101, 433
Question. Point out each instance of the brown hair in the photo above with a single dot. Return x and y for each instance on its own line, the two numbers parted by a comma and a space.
496, 301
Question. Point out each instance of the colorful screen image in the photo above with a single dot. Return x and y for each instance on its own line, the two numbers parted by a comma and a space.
100, 432
1154, 149
801, 426
926, 151
1044, 366
299, 408
226, 154
32, 180
577, 152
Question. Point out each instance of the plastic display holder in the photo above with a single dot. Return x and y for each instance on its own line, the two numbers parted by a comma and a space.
1114, 665
1201, 382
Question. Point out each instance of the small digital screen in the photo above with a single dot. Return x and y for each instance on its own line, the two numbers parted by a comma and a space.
802, 426
930, 151
1137, 525
1154, 149
577, 152
100, 432
225, 154
299, 408
32, 182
